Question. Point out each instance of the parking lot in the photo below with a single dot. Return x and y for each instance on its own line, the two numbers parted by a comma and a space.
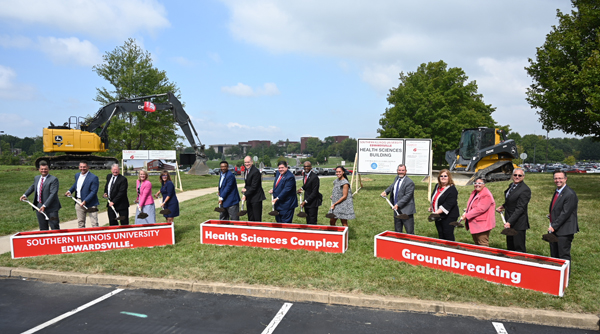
38, 307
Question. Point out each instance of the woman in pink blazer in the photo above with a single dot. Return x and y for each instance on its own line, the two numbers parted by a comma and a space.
144, 200
480, 216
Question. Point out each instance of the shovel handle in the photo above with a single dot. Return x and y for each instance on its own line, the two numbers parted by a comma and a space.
391, 206
502, 215
36, 208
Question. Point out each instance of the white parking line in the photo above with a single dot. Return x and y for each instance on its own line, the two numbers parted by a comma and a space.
273, 324
70, 313
499, 328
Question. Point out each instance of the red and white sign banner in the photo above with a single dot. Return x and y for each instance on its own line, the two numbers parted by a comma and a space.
319, 238
92, 239
522, 270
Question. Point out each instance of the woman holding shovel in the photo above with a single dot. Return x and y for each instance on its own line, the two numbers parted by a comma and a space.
480, 215
444, 205
170, 204
144, 214
341, 198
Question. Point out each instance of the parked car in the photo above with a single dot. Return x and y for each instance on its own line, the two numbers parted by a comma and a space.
576, 170
318, 171
267, 171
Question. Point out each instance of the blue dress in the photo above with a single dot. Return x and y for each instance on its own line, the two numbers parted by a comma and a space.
168, 189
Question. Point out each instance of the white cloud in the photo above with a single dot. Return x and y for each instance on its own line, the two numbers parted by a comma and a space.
11, 90
69, 50
17, 42
215, 57
381, 77
183, 61
107, 19
14, 122
241, 89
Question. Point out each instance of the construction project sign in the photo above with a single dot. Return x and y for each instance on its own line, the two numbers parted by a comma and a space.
383, 155
92, 239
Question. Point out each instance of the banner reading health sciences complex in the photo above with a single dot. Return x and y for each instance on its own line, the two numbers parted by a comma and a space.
330, 239
93, 239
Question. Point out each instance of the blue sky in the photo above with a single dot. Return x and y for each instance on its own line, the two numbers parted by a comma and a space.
268, 70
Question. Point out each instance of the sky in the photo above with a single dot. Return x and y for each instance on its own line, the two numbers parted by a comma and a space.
266, 69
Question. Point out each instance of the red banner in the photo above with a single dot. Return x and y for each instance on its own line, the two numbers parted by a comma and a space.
320, 238
93, 239
527, 271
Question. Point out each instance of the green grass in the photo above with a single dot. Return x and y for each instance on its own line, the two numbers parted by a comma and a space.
357, 271
16, 216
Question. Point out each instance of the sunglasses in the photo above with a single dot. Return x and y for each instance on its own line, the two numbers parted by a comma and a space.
443, 175
518, 175
478, 183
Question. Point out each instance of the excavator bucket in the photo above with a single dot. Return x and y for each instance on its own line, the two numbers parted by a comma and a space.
199, 167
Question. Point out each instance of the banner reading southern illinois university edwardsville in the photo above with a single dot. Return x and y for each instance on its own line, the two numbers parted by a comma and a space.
522, 270
320, 238
92, 239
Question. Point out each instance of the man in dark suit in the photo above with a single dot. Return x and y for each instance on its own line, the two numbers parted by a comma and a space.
403, 197
284, 191
86, 186
563, 217
229, 198
253, 191
46, 199
517, 198
115, 191
312, 197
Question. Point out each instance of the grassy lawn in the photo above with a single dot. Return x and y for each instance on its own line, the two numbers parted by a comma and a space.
16, 216
356, 271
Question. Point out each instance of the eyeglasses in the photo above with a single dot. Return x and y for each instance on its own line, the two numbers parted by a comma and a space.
518, 175
478, 183
443, 175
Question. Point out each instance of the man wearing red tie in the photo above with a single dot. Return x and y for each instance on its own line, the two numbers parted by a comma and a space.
284, 193
312, 197
563, 217
45, 187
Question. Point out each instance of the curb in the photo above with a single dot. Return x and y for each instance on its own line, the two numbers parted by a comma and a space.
533, 316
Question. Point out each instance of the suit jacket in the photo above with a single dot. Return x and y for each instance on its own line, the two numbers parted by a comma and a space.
312, 196
118, 191
49, 193
515, 206
254, 190
285, 191
481, 212
406, 198
89, 189
447, 201
144, 196
228, 190
563, 216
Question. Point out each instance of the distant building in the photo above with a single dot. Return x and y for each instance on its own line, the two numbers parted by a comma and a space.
221, 148
339, 139
303, 141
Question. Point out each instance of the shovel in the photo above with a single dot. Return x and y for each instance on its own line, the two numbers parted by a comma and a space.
242, 212
398, 215
115, 211
433, 217
38, 210
330, 213
301, 213
164, 211
219, 208
508, 231
273, 213
457, 224
549, 237
85, 207
142, 215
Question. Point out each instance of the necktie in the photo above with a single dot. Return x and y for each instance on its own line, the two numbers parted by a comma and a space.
41, 187
554, 200
396, 191
512, 187
279, 179
110, 184
305, 177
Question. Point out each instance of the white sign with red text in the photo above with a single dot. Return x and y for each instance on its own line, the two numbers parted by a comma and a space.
92, 239
320, 238
527, 271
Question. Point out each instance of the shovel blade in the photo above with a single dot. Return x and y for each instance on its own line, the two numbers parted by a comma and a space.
550, 237
92, 210
274, 213
456, 224
219, 209
53, 218
121, 218
165, 212
402, 216
509, 232
302, 214
242, 213
142, 216
330, 215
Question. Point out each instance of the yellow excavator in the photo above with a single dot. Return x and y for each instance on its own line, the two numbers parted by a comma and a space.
482, 152
78, 139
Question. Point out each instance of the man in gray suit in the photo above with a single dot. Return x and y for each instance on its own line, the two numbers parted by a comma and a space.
403, 191
563, 217
45, 187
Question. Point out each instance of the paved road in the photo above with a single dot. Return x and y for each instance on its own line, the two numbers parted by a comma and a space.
25, 305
